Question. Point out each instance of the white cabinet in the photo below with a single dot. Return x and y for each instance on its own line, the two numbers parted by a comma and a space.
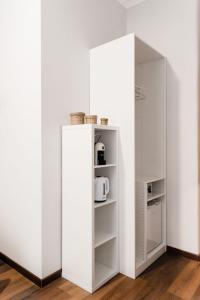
128, 85
89, 229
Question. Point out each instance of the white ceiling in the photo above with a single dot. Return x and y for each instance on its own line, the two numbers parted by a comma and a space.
130, 3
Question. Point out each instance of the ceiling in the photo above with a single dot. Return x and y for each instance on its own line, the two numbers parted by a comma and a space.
130, 3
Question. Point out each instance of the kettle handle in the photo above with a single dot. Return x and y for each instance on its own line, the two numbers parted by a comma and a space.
107, 185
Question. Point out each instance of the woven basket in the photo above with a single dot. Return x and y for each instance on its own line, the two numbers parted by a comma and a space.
90, 119
104, 121
77, 118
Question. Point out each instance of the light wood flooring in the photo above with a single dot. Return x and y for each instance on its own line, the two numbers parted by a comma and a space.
171, 277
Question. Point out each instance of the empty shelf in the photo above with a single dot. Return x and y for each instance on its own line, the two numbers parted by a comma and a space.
154, 196
102, 238
149, 179
156, 250
104, 166
102, 273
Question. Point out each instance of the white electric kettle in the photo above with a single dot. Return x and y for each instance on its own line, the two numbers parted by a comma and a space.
101, 189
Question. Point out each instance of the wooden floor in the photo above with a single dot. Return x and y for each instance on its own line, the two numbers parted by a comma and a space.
171, 277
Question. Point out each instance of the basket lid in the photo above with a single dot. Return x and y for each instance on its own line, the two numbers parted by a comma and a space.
91, 116
81, 114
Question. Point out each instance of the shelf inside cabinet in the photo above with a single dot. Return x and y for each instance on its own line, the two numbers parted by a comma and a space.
102, 238
101, 204
149, 179
102, 274
105, 262
104, 166
154, 196
105, 224
155, 250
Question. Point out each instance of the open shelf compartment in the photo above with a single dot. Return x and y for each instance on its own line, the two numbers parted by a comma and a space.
105, 245
150, 219
105, 224
155, 189
108, 138
105, 262
111, 174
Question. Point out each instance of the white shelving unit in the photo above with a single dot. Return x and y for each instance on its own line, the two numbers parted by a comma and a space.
89, 229
128, 85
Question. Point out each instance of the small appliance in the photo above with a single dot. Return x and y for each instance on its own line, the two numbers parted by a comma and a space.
150, 189
100, 154
101, 189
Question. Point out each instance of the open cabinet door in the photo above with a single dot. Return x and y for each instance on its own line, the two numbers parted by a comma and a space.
112, 75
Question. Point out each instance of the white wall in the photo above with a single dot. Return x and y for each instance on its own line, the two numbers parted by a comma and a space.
20, 132
69, 29
171, 27
30, 152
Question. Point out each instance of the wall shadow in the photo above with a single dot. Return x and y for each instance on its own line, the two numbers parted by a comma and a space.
173, 158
